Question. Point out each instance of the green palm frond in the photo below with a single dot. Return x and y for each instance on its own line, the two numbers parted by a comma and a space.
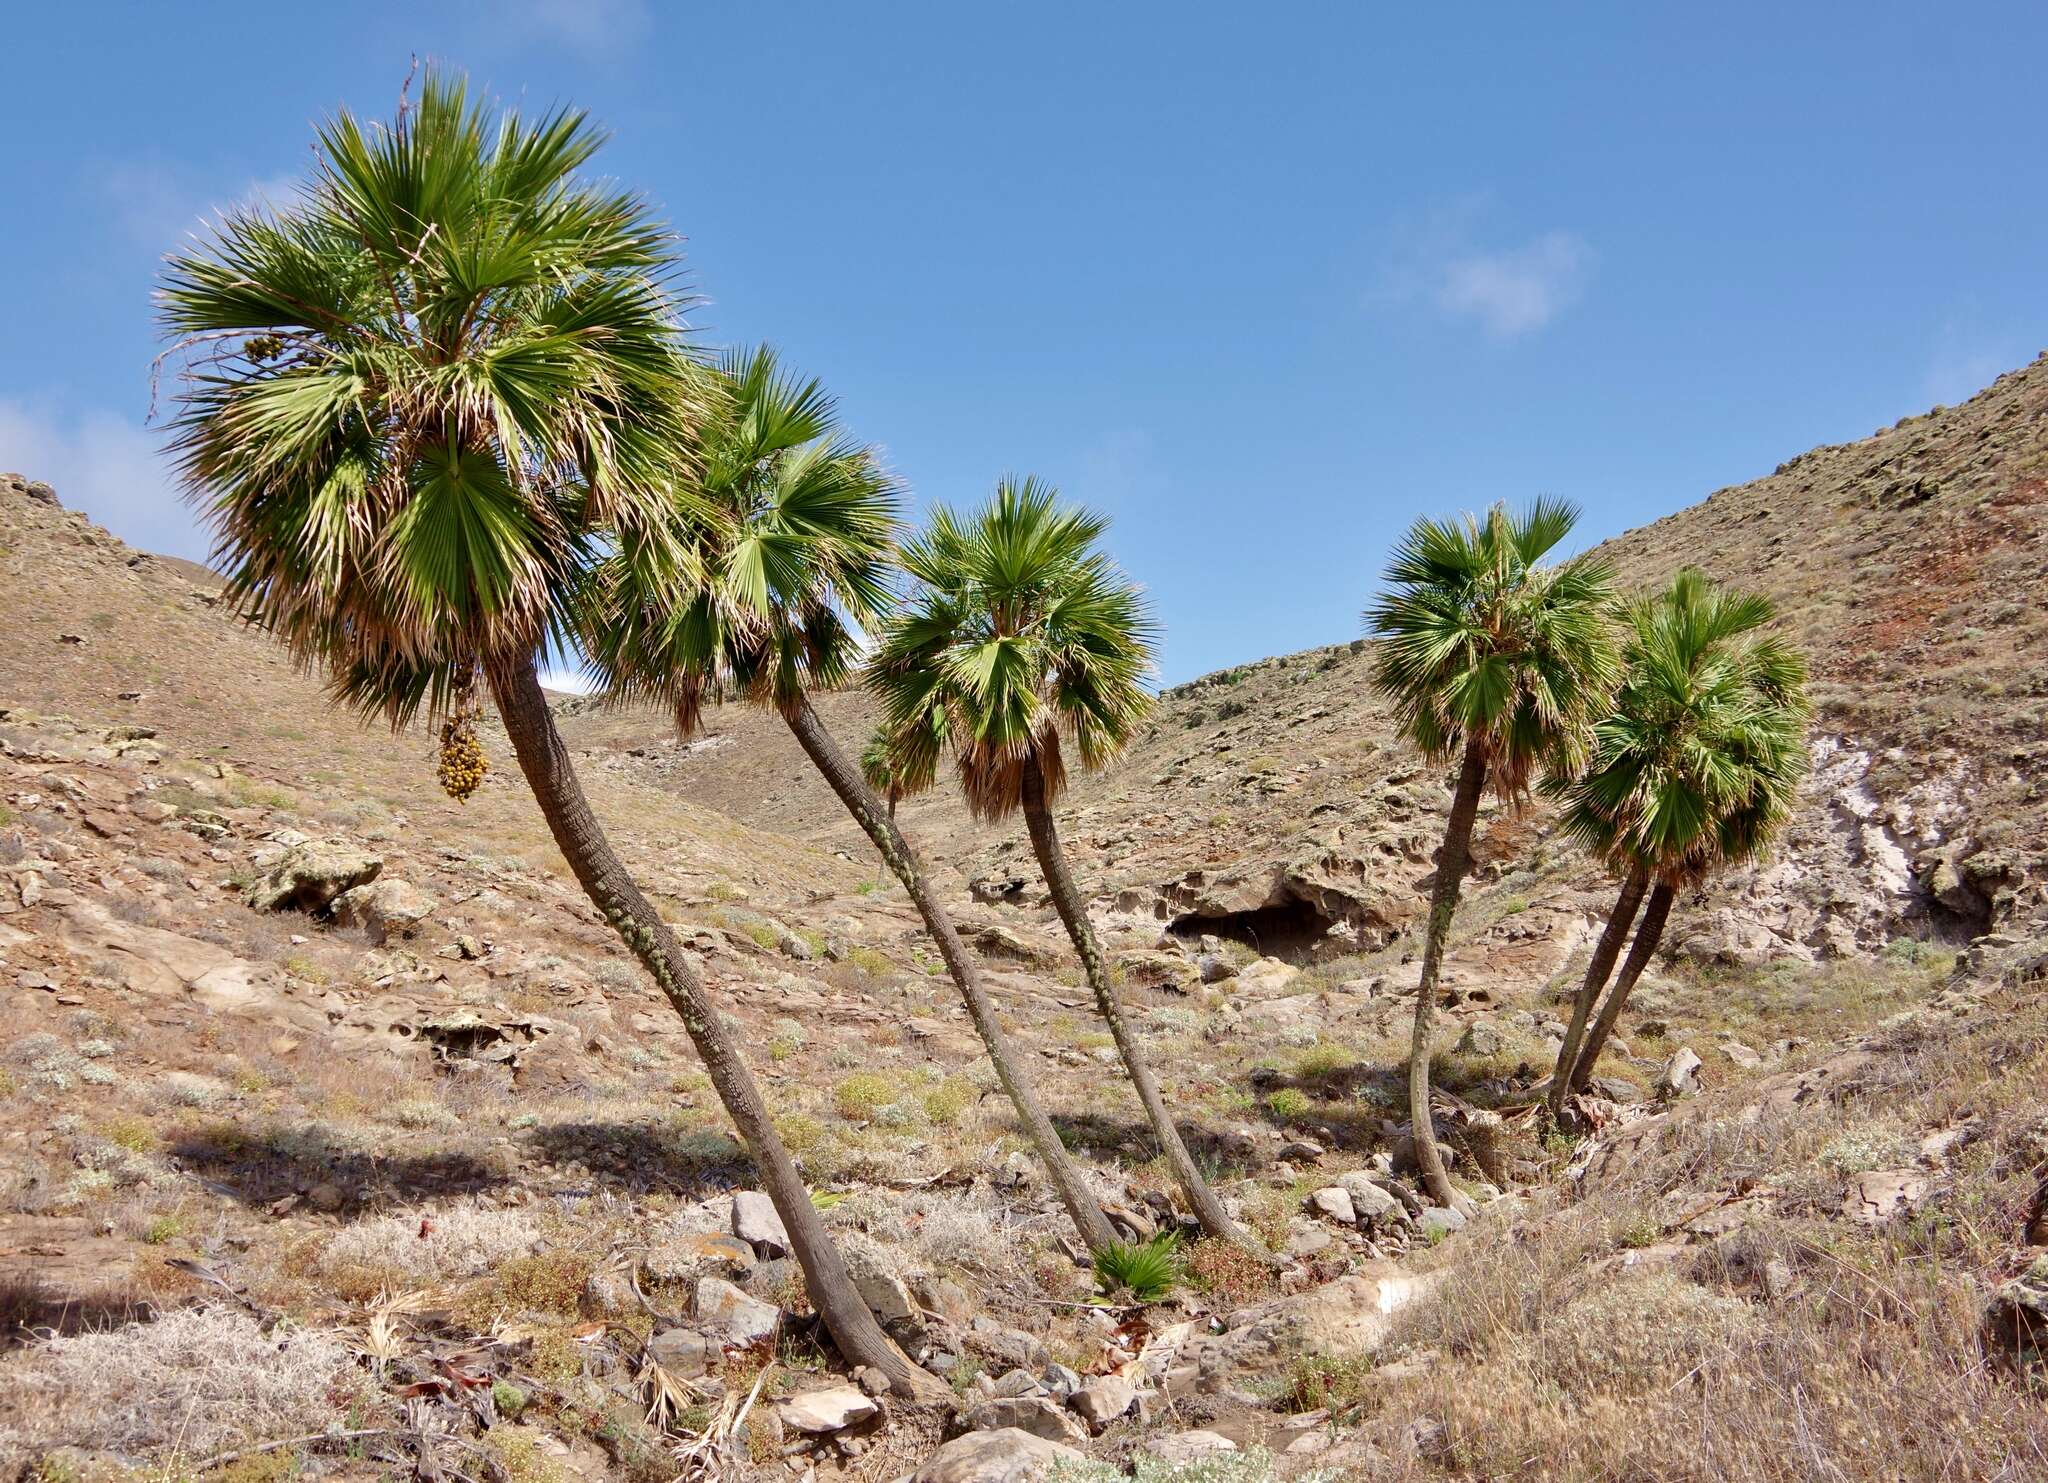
1700, 761
1478, 641
1019, 635
419, 393
790, 529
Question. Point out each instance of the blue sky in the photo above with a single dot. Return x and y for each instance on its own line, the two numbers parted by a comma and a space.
1263, 282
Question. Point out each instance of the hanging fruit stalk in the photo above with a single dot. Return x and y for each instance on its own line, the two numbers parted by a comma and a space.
462, 764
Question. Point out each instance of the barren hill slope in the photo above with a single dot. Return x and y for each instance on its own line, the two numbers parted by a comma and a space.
1910, 566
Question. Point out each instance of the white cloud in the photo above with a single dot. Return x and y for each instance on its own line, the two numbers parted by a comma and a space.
1520, 289
595, 27
1440, 259
106, 465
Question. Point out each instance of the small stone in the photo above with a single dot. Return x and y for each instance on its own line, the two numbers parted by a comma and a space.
326, 1197
1742, 1055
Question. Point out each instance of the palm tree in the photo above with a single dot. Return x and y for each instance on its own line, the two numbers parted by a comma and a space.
1502, 664
1020, 634
1696, 769
799, 554
878, 768
421, 399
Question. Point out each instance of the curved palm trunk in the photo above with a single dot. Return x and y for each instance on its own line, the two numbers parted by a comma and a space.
1598, 971
1453, 861
1648, 933
550, 773
867, 811
1066, 899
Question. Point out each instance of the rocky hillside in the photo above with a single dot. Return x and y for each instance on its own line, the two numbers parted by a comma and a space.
334, 1123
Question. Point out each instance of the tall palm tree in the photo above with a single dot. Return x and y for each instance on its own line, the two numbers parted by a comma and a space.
421, 399
1502, 664
1020, 634
1696, 769
798, 556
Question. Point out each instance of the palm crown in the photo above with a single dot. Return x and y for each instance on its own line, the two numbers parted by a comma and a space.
1018, 631
420, 393
1481, 644
792, 541
1700, 761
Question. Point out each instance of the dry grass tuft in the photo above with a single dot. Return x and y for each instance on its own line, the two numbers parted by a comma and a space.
198, 1380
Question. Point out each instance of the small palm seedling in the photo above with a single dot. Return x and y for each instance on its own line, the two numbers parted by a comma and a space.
1147, 1270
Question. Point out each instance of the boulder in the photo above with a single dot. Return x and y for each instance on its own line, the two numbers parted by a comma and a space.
1265, 979
699, 1254
1005, 1456
387, 908
1102, 1399
1681, 1074
309, 876
999, 942
683, 1352
885, 1294
736, 1316
2016, 1318
1481, 1039
1877, 1196
820, 1412
1369, 1201
1038, 1415
1183, 1448
1440, 1218
755, 1221
1333, 1202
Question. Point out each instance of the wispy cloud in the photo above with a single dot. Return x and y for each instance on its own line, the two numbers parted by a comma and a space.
1507, 290
110, 467
594, 27
1518, 289
160, 205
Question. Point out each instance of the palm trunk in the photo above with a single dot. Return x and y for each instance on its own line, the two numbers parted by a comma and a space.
552, 776
1598, 971
1453, 860
867, 811
1648, 933
882, 860
1066, 899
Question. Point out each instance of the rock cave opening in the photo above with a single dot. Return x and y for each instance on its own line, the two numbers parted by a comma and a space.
1294, 930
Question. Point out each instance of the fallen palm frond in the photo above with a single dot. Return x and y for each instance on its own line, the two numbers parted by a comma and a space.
719, 1451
